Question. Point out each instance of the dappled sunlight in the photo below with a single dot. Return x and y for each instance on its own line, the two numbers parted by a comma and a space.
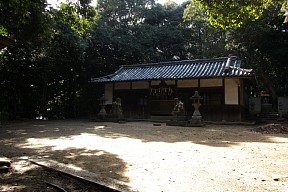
5, 187
74, 167
278, 139
22, 165
57, 144
12, 187
163, 158
99, 153
19, 131
160, 163
20, 176
44, 131
99, 127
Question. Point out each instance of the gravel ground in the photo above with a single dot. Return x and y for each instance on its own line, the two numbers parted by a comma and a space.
146, 157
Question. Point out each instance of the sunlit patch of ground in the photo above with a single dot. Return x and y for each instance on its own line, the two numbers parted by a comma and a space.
11, 188
170, 158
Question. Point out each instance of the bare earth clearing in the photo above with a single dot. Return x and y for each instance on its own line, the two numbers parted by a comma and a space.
147, 158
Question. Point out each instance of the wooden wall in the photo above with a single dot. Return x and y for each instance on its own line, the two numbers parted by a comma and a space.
221, 98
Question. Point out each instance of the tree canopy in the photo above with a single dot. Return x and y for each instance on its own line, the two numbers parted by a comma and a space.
232, 13
45, 72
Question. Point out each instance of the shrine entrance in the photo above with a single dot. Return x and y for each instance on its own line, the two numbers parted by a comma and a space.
162, 98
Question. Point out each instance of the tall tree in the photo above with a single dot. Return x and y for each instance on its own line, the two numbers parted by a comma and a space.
78, 15
112, 40
263, 46
228, 14
152, 33
26, 22
18, 17
42, 69
207, 41
66, 54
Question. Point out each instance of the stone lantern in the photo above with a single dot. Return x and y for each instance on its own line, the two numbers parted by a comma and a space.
196, 119
102, 113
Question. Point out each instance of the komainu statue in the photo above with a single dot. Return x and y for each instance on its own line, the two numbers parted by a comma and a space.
178, 107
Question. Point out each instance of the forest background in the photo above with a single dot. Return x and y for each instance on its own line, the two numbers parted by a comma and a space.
56, 51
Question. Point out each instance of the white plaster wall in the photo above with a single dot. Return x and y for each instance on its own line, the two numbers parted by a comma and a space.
140, 85
187, 83
210, 82
108, 93
122, 85
231, 91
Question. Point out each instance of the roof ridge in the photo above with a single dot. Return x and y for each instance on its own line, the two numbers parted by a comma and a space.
177, 62
185, 69
241, 69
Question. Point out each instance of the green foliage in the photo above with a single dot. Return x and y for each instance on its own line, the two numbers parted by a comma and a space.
25, 21
79, 15
229, 14
65, 55
263, 46
57, 51
3, 31
207, 41
19, 14
41, 71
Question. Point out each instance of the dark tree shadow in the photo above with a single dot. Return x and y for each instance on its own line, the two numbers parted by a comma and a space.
16, 143
211, 135
18, 140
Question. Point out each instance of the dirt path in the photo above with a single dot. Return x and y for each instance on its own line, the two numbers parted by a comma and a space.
156, 158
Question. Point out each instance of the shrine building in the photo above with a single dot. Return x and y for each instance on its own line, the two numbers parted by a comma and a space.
149, 90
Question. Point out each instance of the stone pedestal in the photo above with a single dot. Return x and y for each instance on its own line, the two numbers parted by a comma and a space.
102, 113
196, 120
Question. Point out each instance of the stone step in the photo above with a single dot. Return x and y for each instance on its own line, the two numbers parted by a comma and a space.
269, 116
161, 117
276, 115
108, 183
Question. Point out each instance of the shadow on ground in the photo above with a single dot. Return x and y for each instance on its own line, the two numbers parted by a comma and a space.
73, 142
211, 135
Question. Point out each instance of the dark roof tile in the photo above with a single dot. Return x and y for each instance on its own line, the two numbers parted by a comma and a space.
187, 69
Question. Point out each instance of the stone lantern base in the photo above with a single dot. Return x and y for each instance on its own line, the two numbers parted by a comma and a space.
196, 121
102, 113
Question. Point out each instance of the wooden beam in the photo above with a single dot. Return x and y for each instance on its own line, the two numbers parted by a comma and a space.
109, 183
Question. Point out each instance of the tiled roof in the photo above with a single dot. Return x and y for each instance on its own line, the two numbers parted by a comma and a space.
186, 69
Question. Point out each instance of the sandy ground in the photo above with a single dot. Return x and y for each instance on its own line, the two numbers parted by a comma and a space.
153, 158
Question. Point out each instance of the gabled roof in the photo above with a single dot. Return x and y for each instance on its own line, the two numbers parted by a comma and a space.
186, 69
